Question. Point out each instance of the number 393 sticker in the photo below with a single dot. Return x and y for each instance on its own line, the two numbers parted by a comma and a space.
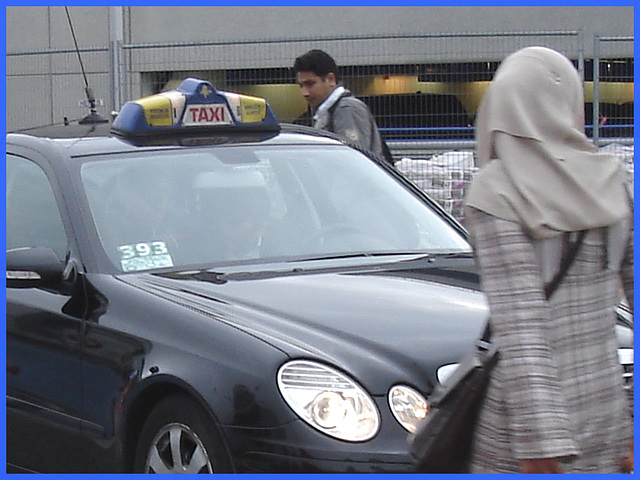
144, 256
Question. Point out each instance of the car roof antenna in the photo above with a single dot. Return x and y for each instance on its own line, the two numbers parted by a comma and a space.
94, 116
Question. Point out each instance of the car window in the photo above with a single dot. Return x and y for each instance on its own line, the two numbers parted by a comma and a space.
33, 218
241, 203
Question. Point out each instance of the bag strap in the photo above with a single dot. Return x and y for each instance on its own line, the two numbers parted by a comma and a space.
570, 250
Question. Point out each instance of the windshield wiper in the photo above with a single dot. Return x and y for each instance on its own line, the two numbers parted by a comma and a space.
205, 275
335, 256
467, 254
287, 267
339, 256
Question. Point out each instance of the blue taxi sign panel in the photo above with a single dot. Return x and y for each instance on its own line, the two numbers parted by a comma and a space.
195, 104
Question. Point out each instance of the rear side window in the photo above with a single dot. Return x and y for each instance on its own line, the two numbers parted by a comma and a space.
33, 218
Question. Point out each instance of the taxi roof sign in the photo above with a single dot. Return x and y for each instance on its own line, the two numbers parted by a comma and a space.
194, 106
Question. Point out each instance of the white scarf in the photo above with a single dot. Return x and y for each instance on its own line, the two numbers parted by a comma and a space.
321, 118
537, 167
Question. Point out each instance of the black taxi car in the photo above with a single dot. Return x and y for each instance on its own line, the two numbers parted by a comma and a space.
200, 289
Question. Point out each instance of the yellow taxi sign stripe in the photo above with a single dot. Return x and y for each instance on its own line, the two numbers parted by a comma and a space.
253, 109
157, 109
247, 109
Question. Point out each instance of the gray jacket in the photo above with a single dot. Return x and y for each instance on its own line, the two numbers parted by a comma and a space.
351, 119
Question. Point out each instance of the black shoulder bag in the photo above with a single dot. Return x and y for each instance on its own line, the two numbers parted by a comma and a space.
443, 440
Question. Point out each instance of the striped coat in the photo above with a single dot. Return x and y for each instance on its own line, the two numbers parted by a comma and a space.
557, 390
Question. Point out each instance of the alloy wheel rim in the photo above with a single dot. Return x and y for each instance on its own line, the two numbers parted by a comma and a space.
177, 449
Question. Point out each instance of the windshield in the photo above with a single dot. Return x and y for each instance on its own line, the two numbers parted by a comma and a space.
217, 205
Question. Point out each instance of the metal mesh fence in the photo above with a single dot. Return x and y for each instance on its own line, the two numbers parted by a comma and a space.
611, 106
419, 87
424, 90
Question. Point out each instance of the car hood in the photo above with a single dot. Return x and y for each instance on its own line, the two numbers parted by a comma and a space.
383, 325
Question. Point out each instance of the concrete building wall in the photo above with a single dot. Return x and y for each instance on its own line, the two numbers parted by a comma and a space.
152, 24
46, 27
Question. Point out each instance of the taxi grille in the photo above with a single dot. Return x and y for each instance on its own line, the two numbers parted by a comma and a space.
625, 356
628, 380
306, 374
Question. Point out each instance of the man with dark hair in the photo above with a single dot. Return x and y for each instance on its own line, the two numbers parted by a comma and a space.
335, 108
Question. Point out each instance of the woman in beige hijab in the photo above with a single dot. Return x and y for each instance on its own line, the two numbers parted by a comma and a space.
556, 401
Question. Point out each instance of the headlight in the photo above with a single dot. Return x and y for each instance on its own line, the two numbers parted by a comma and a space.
445, 372
408, 406
328, 400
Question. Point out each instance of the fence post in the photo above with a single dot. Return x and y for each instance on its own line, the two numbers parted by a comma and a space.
596, 89
581, 54
116, 37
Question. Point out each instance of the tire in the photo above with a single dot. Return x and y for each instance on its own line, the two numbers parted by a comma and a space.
179, 436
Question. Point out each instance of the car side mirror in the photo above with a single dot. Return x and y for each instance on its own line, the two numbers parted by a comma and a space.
33, 266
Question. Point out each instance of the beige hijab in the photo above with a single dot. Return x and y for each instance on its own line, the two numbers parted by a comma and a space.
537, 167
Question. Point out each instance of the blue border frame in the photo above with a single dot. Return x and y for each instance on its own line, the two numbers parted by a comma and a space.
256, 3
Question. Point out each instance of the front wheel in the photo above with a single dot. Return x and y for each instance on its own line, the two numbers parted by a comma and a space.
180, 437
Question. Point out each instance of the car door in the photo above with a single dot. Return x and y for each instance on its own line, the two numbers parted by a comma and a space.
44, 395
